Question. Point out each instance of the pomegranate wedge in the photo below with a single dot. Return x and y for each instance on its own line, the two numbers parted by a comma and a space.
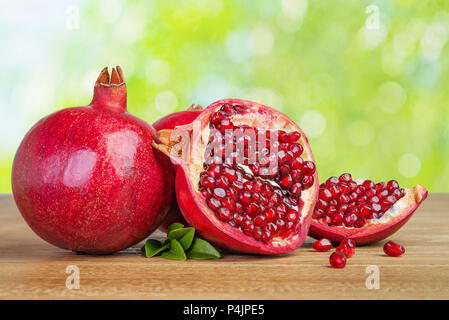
246, 177
362, 210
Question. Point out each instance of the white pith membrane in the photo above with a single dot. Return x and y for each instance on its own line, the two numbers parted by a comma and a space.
260, 119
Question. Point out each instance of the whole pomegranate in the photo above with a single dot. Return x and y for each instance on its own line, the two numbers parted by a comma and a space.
87, 179
362, 210
170, 122
246, 177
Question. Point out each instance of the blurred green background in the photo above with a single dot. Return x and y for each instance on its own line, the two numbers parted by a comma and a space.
366, 80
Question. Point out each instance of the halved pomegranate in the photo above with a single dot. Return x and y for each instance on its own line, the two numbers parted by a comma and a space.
363, 211
246, 177
170, 122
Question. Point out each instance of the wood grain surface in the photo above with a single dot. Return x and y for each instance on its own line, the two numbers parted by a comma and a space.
32, 269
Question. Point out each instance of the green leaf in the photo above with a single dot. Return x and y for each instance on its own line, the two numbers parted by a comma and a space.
153, 247
176, 251
201, 249
175, 226
183, 235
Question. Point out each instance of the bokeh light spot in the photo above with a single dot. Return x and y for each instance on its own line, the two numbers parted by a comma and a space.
262, 40
391, 96
166, 101
158, 72
292, 15
238, 45
294, 9
313, 123
409, 165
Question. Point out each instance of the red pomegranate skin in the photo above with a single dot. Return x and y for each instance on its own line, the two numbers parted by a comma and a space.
170, 122
86, 178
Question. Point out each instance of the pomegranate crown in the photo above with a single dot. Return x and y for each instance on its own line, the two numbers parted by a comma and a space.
110, 90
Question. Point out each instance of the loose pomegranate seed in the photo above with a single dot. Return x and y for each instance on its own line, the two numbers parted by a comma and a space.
337, 260
249, 186
393, 249
347, 250
344, 202
322, 245
348, 242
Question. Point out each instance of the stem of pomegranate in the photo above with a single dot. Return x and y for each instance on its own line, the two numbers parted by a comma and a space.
110, 91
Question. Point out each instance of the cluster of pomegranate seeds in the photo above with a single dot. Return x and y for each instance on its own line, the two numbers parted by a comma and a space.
347, 247
344, 251
322, 245
344, 202
393, 249
253, 178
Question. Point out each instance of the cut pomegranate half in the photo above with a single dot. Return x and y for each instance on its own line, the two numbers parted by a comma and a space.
246, 177
363, 211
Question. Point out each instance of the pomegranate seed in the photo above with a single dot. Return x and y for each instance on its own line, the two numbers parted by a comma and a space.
292, 215
260, 221
344, 188
346, 248
307, 182
352, 185
266, 236
253, 209
334, 190
219, 193
317, 214
331, 210
296, 188
224, 214
393, 249
325, 194
294, 136
297, 175
392, 184
337, 260
297, 150
349, 242
214, 170
245, 198
337, 218
368, 184
273, 228
206, 193
326, 220
332, 181
222, 182
213, 203
322, 245
308, 168
228, 203
207, 181
344, 199
345, 177
286, 181
270, 214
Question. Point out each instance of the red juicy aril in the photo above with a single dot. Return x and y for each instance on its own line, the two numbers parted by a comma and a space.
170, 122
246, 178
363, 211
87, 179
393, 249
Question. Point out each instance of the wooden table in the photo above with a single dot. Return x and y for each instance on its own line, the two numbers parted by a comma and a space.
32, 269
